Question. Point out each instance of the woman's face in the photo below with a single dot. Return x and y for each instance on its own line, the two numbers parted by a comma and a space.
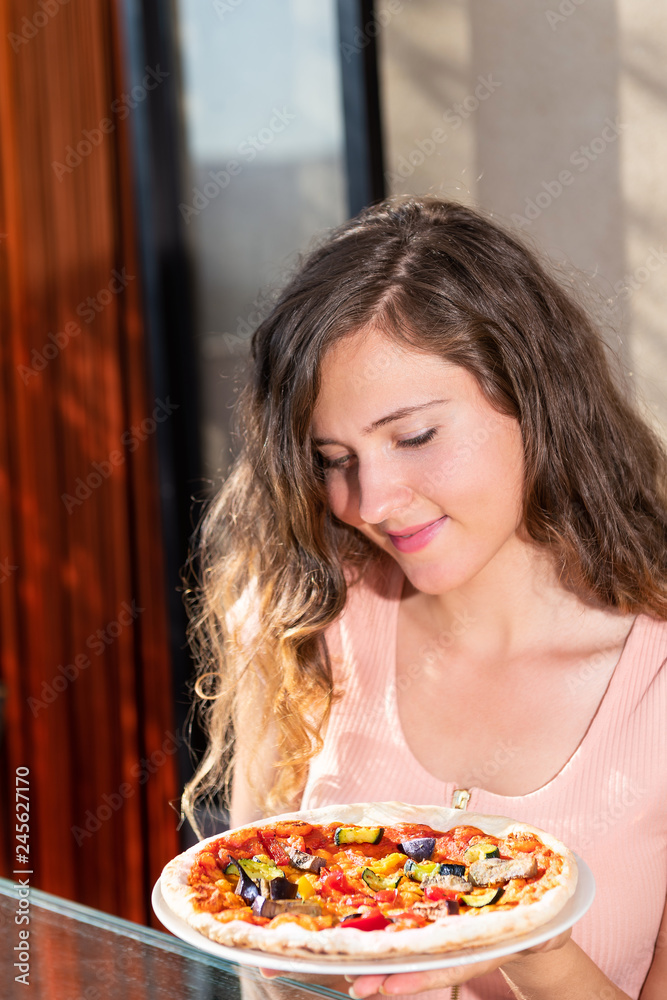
417, 459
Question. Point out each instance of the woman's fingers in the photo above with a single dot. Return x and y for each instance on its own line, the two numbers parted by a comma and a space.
365, 986
408, 982
420, 982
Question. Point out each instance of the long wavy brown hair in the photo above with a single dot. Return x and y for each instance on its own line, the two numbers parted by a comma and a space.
273, 565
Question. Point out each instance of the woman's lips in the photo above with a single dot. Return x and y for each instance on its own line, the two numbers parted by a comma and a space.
417, 537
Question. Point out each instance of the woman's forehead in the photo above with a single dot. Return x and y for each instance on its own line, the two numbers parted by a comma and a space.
369, 374
370, 351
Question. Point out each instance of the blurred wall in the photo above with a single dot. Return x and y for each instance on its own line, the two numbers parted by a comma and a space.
552, 116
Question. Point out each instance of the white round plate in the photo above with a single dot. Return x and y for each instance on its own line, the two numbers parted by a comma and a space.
573, 911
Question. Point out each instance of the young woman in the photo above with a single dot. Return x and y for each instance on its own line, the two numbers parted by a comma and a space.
439, 564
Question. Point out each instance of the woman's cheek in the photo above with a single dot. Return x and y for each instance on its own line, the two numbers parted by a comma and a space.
436, 472
343, 499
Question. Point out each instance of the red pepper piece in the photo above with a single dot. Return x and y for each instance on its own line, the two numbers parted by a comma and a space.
336, 881
386, 896
368, 922
271, 845
435, 892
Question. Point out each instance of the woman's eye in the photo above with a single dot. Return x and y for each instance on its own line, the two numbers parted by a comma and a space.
416, 442
345, 460
335, 463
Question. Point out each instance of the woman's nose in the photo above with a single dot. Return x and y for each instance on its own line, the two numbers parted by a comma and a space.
381, 493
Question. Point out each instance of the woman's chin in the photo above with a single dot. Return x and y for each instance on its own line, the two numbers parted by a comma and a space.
432, 580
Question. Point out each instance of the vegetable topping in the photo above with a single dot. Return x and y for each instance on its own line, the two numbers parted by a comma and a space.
306, 862
375, 921
494, 871
371, 886
419, 849
358, 835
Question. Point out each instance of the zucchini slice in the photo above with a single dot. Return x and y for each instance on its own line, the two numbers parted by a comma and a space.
448, 868
378, 882
358, 835
482, 898
480, 852
418, 870
255, 869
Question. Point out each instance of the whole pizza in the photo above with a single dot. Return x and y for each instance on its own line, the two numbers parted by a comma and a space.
371, 880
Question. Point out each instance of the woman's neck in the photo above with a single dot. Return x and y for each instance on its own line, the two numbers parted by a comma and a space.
514, 605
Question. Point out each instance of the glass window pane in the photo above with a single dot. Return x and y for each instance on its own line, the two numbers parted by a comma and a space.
263, 117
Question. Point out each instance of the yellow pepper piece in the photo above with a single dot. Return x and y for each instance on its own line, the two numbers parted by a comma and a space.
387, 866
305, 887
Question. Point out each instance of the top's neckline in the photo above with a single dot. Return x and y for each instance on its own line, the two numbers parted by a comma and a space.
596, 724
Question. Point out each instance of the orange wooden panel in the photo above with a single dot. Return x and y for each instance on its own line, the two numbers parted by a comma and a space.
85, 641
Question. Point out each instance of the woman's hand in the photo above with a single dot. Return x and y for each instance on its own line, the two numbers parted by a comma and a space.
419, 982
275, 992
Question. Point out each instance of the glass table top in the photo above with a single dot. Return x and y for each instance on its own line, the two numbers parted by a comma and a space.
77, 953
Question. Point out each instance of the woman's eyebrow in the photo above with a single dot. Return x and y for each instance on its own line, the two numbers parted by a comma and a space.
404, 411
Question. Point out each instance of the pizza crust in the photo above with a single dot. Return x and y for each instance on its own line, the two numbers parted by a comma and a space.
448, 934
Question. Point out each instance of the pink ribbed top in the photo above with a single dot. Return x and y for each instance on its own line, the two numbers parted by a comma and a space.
608, 803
